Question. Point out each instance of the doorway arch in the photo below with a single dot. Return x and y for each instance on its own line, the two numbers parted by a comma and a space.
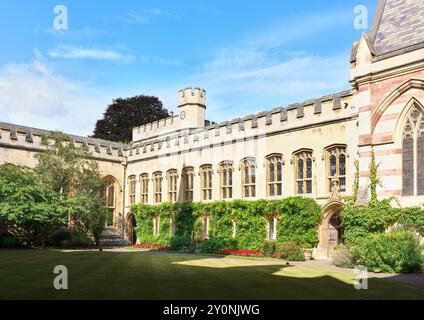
330, 230
131, 229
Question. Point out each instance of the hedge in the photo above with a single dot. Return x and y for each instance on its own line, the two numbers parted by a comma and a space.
298, 221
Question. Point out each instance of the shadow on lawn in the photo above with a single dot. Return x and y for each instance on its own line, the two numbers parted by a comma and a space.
164, 275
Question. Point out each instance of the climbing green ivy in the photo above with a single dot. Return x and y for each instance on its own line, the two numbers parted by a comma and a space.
298, 220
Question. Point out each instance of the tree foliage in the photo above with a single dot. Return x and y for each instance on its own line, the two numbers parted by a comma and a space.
31, 209
70, 170
124, 114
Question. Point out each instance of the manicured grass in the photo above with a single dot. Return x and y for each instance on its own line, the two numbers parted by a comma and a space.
29, 274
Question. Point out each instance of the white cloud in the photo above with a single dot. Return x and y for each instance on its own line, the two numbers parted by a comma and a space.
175, 62
253, 85
69, 34
145, 16
71, 52
34, 95
258, 73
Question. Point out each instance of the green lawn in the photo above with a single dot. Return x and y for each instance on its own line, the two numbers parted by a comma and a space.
150, 275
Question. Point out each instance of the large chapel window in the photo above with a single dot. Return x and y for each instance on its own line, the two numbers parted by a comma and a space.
413, 154
274, 166
336, 167
248, 177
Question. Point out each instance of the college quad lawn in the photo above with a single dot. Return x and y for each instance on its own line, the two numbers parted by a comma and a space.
134, 274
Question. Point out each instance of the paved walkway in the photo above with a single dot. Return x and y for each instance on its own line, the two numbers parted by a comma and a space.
416, 280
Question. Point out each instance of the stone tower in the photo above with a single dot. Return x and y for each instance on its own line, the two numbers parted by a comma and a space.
191, 107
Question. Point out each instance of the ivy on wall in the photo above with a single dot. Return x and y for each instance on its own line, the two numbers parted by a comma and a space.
298, 219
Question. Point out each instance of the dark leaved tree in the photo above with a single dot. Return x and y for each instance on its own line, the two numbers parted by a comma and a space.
124, 114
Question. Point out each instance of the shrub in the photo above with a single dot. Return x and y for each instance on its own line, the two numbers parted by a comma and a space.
7, 240
61, 237
210, 245
269, 248
290, 251
342, 257
397, 251
181, 243
80, 239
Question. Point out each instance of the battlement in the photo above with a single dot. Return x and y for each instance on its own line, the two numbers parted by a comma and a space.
311, 113
30, 139
191, 107
195, 96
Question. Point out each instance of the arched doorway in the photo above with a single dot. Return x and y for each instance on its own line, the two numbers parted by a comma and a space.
335, 231
131, 229
330, 230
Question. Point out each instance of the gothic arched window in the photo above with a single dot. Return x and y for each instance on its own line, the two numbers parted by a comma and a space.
188, 176
303, 171
157, 187
172, 176
248, 177
413, 154
226, 174
206, 181
336, 167
274, 175
144, 188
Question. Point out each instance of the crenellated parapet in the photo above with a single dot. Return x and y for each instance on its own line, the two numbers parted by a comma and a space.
191, 115
310, 113
16, 137
194, 96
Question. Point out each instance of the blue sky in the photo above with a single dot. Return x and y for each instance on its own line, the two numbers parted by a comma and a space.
250, 55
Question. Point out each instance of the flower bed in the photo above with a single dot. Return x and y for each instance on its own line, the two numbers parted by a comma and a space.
242, 253
152, 246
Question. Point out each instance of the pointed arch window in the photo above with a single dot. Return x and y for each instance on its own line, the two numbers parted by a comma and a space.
274, 166
188, 176
248, 177
157, 187
226, 175
110, 200
132, 181
336, 167
413, 154
206, 181
172, 176
303, 171
144, 188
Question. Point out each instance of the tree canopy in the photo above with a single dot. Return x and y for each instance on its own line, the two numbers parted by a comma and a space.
30, 208
123, 115
65, 189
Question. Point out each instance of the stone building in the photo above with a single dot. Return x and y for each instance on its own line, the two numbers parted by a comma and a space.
307, 149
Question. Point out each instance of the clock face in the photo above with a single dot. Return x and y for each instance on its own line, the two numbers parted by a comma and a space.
183, 115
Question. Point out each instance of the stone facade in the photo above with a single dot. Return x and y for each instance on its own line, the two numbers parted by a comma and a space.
307, 149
